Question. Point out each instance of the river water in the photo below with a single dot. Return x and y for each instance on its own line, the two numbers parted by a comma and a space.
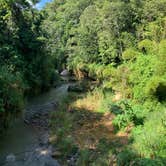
22, 138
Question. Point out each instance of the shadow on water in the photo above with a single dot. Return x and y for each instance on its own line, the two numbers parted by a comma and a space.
17, 139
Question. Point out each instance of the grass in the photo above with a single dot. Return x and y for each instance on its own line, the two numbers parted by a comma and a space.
81, 126
90, 101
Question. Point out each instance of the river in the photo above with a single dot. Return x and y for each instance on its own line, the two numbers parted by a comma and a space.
22, 139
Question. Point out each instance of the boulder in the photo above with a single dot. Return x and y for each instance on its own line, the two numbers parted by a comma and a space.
10, 158
75, 88
64, 73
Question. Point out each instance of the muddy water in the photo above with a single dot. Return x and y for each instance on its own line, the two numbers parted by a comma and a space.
22, 138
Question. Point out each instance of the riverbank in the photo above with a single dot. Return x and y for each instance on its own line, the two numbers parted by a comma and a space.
82, 132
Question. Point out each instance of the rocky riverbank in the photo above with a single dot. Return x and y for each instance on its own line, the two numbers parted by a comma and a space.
40, 153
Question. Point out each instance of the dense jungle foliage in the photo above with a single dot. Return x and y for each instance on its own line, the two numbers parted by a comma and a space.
25, 65
119, 43
122, 44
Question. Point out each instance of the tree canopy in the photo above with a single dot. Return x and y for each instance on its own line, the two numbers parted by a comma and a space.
119, 43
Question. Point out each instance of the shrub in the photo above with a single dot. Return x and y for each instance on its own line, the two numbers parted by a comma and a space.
11, 90
107, 71
147, 46
125, 157
84, 157
150, 140
130, 54
149, 162
67, 147
142, 71
122, 121
156, 88
11, 94
128, 114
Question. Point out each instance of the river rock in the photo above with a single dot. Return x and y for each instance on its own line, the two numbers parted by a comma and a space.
56, 154
44, 139
52, 139
43, 161
10, 158
42, 156
40, 152
64, 73
75, 88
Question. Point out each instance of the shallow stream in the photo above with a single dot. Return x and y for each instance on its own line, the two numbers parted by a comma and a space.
22, 138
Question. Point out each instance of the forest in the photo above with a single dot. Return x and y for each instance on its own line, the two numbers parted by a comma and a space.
119, 46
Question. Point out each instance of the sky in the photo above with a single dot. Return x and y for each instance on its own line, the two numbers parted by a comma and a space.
41, 4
